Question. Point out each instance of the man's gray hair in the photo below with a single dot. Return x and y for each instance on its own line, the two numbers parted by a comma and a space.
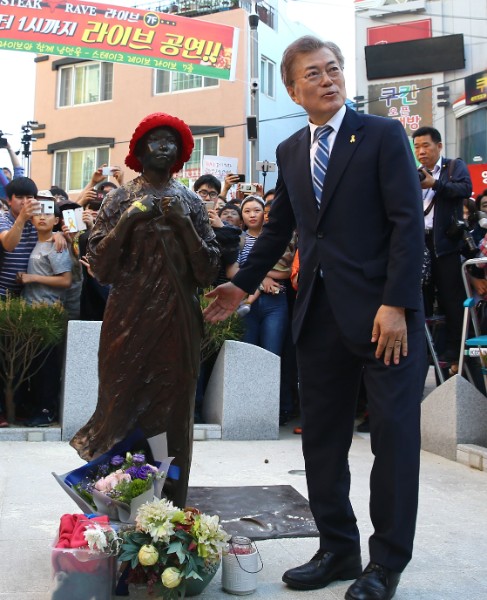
305, 45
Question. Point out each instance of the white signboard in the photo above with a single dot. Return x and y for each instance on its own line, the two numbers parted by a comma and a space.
219, 166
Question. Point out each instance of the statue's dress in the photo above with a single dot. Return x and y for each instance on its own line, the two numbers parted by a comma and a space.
150, 339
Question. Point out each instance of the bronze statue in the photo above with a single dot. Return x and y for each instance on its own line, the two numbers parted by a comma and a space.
153, 243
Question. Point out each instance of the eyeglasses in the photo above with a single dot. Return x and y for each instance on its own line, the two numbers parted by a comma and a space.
207, 194
315, 76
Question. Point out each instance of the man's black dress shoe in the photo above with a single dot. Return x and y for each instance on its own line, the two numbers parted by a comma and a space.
322, 569
375, 583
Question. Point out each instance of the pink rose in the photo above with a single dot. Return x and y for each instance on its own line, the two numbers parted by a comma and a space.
106, 484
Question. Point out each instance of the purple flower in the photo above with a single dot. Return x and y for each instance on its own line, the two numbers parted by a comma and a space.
132, 471
139, 458
117, 460
103, 470
144, 472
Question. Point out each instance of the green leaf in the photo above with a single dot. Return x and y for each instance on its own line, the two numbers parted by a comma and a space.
216, 333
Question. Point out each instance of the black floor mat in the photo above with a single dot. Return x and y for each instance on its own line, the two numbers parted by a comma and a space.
258, 512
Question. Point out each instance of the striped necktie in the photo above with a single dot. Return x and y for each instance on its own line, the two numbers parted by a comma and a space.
320, 164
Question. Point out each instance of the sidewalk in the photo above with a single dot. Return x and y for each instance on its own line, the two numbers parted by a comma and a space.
450, 560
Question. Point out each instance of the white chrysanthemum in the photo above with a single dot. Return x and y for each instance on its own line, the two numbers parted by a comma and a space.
96, 538
155, 517
211, 537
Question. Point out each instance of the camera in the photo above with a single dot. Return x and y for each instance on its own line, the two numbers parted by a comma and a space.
247, 188
459, 230
469, 242
107, 171
3, 140
421, 175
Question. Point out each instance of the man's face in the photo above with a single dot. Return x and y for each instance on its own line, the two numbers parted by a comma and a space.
160, 149
17, 202
207, 192
427, 151
231, 217
318, 84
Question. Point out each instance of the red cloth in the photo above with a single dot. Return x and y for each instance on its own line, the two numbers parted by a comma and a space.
71, 536
72, 528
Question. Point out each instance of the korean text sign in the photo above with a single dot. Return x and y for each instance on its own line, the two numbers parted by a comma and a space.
121, 35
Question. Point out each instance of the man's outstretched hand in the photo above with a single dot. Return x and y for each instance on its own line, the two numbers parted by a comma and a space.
226, 299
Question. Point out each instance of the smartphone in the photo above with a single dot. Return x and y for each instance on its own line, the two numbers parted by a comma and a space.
241, 177
247, 188
107, 171
73, 219
209, 205
46, 207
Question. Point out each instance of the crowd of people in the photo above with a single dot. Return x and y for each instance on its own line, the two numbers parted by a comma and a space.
43, 259
237, 218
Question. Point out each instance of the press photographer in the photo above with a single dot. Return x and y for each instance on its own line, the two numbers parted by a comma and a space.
445, 184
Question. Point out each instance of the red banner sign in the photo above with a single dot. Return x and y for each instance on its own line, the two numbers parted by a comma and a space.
478, 174
403, 32
120, 35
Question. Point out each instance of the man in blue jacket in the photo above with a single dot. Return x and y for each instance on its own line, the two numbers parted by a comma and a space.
445, 183
348, 183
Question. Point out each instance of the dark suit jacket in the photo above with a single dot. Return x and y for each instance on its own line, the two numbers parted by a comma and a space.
450, 191
367, 237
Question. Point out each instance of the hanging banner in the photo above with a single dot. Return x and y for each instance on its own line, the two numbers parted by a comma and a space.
109, 33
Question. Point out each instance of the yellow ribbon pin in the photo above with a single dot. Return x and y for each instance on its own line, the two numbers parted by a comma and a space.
140, 206
352, 139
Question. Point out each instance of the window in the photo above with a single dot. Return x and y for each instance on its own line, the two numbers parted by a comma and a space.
171, 81
85, 83
472, 136
203, 145
73, 168
267, 77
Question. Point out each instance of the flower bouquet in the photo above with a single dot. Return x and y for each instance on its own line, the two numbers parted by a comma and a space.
84, 558
118, 482
170, 549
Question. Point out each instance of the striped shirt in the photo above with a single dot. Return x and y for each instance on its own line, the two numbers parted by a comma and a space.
17, 260
248, 245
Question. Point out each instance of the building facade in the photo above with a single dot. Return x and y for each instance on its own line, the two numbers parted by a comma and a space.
90, 109
424, 62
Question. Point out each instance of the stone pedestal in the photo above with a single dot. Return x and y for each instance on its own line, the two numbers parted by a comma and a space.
454, 413
80, 376
243, 393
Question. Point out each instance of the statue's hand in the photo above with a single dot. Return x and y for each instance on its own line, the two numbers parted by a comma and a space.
174, 210
144, 207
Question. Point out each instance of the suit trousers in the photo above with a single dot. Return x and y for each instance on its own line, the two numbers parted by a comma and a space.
330, 368
447, 287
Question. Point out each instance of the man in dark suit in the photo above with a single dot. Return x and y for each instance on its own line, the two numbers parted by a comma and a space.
445, 183
358, 309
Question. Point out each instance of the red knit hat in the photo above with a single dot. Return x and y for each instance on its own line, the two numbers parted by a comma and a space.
161, 120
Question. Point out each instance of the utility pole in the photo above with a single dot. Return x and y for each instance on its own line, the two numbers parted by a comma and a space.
254, 96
